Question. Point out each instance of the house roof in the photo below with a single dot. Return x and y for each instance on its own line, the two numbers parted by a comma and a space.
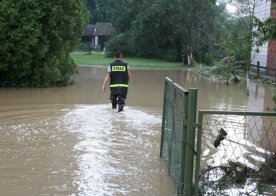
103, 28
89, 30
100, 29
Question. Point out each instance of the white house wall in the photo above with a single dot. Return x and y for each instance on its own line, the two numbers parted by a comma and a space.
262, 12
96, 40
261, 56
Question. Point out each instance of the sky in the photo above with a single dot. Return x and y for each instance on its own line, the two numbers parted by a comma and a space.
231, 8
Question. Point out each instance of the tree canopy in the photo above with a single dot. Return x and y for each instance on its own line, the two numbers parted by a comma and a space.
36, 38
166, 28
171, 28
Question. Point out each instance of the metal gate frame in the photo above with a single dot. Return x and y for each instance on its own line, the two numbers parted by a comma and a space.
181, 102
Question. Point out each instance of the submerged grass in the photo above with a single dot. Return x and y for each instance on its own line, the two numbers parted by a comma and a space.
101, 60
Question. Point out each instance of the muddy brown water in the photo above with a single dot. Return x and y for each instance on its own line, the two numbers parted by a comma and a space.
67, 141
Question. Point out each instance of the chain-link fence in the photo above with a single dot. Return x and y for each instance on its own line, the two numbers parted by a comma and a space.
235, 152
238, 153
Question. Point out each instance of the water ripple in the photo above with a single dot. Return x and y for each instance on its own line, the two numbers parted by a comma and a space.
118, 152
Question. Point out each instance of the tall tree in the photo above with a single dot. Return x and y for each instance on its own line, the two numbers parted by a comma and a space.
35, 40
102, 10
168, 28
237, 38
171, 28
90, 6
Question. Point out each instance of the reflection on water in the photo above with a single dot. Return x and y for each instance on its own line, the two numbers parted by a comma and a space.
36, 152
146, 90
81, 149
66, 141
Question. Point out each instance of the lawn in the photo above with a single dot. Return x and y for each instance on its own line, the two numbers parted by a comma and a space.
100, 60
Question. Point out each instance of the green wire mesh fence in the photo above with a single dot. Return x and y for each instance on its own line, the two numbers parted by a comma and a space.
172, 130
177, 138
221, 152
238, 153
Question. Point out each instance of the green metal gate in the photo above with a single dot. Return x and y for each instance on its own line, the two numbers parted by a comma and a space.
221, 152
177, 140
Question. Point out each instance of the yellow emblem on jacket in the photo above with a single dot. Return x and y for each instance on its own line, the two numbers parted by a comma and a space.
118, 68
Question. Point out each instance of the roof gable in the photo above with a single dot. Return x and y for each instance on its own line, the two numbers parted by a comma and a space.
89, 30
103, 28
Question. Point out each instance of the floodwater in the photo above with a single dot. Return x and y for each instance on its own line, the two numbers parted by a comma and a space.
67, 141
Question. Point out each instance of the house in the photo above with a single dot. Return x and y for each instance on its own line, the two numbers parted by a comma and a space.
265, 59
96, 35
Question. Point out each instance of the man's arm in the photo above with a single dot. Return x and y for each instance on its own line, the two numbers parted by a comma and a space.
106, 78
129, 75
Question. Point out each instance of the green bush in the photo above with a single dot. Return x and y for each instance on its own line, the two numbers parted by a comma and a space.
208, 59
36, 38
83, 47
274, 98
170, 55
118, 43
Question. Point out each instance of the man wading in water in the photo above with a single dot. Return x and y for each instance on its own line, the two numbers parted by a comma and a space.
119, 75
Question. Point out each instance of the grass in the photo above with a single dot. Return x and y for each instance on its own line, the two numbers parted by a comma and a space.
100, 60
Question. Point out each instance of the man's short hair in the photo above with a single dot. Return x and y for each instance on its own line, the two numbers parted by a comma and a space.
118, 54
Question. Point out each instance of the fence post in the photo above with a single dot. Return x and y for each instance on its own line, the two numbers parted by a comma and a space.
163, 117
190, 142
180, 186
258, 69
198, 152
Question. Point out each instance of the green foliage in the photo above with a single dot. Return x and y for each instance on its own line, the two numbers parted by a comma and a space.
227, 70
164, 28
118, 43
208, 58
264, 30
236, 31
168, 28
36, 39
239, 46
85, 47
91, 7
170, 55
274, 98
104, 10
